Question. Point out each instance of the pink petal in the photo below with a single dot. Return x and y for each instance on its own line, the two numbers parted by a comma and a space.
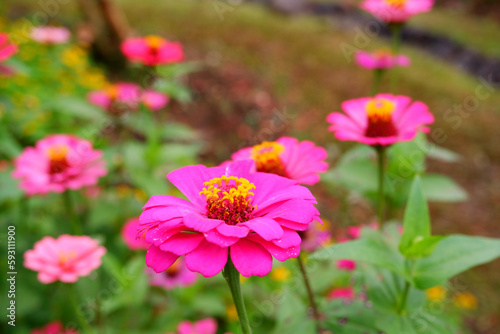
159, 260
250, 258
208, 259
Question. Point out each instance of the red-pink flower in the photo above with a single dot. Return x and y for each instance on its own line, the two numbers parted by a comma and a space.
300, 161
64, 259
381, 120
154, 100
177, 275
380, 60
117, 98
152, 50
54, 327
347, 265
346, 293
7, 49
57, 163
396, 11
130, 237
255, 214
50, 35
205, 326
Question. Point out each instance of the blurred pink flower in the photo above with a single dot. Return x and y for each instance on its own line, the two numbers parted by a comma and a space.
355, 231
346, 293
7, 49
57, 163
396, 11
152, 50
54, 327
154, 100
64, 259
316, 236
50, 35
117, 98
255, 214
381, 120
380, 60
92, 191
177, 275
130, 237
299, 161
205, 326
348, 265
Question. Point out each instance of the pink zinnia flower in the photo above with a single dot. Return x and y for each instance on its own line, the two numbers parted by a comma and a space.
50, 35
152, 50
347, 265
58, 163
300, 161
130, 237
177, 275
154, 100
396, 11
381, 120
316, 236
380, 60
255, 214
64, 259
117, 98
54, 327
346, 293
7, 49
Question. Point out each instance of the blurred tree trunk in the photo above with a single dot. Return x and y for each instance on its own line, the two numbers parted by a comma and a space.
105, 29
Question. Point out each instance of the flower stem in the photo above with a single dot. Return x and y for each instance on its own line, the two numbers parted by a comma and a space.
232, 276
381, 175
377, 80
73, 295
310, 293
70, 212
404, 297
397, 30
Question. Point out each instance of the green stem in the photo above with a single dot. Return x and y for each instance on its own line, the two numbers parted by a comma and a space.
232, 276
377, 80
310, 293
73, 295
404, 297
397, 30
381, 175
70, 212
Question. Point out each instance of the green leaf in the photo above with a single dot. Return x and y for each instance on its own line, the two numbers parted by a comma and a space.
292, 315
177, 70
453, 255
423, 246
443, 154
373, 250
417, 224
77, 107
442, 189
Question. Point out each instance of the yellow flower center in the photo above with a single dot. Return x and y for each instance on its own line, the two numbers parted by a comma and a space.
58, 158
396, 3
173, 270
266, 157
380, 124
65, 256
382, 53
228, 199
154, 41
112, 92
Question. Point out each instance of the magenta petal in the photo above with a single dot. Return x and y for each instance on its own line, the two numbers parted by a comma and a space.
250, 258
281, 254
267, 228
200, 223
237, 231
208, 259
290, 239
159, 260
182, 243
219, 239
295, 210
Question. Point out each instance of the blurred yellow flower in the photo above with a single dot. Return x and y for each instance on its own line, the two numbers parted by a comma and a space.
466, 301
123, 190
231, 313
280, 274
74, 56
436, 294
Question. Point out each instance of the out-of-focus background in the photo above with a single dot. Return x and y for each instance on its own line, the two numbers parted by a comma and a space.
278, 67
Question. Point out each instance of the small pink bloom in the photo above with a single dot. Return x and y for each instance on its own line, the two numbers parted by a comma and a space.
346, 293
316, 236
299, 161
50, 35
380, 60
381, 120
54, 327
57, 163
130, 237
117, 98
205, 326
348, 265
152, 50
177, 275
396, 11
64, 259
154, 100
257, 215
92, 191
7, 49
